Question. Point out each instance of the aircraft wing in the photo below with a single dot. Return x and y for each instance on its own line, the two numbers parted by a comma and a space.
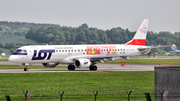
151, 47
102, 57
111, 57
145, 50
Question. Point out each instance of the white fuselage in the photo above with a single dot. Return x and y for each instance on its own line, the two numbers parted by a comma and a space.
66, 53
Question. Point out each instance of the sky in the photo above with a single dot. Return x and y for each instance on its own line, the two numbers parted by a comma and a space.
163, 15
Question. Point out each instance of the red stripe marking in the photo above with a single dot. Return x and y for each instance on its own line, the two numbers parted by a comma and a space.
140, 42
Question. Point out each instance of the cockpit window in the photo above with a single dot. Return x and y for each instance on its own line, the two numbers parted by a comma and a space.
21, 51
24, 51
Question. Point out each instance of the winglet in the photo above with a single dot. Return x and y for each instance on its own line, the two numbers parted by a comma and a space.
140, 36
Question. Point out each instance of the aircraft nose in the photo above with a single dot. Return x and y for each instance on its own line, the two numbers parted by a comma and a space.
12, 58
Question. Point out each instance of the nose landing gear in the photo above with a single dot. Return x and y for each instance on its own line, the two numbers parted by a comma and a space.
26, 67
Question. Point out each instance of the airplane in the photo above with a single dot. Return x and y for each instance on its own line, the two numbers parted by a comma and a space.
174, 49
82, 56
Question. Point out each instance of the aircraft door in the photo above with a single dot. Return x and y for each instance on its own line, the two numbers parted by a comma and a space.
30, 53
127, 50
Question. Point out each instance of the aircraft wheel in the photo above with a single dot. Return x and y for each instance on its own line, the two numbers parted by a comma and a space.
93, 68
26, 69
73, 67
69, 67
90, 68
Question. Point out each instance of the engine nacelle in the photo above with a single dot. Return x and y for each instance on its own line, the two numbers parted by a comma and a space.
50, 65
82, 63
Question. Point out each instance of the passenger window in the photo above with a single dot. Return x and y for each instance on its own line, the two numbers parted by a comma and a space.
59, 50
71, 50
62, 50
66, 50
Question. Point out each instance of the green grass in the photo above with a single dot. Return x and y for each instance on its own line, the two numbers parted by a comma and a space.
78, 86
77, 79
40, 83
14, 40
4, 58
30, 67
150, 61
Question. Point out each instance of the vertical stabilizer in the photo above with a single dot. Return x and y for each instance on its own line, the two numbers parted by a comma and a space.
140, 36
173, 47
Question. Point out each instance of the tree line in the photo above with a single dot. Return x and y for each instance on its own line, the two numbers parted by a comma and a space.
85, 35
53, 34
19, 29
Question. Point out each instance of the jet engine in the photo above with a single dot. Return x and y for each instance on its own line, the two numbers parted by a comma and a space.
82, 63
50, 65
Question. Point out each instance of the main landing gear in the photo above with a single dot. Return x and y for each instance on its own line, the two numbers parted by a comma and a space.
93, 68
71, 67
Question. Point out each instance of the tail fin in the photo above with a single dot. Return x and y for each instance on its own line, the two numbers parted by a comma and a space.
140, 36
173, 47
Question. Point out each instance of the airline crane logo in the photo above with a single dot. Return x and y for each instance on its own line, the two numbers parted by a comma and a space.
143, 30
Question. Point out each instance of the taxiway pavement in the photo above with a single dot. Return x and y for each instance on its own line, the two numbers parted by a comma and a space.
101, 67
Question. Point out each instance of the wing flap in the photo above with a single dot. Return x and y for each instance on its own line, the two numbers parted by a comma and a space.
146, 50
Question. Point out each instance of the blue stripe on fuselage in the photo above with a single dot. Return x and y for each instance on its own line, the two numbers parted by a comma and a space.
19, 54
